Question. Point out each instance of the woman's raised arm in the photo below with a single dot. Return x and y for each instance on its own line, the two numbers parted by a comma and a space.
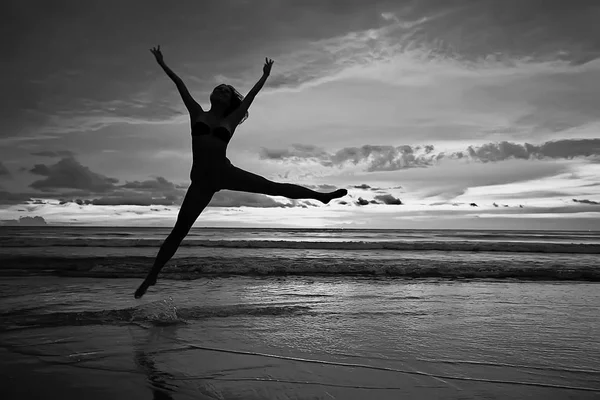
236, 116
191, 104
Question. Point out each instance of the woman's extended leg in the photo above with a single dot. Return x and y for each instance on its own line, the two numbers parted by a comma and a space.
244, 181
196, 199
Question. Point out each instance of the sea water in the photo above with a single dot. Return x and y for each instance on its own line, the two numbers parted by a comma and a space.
303, 314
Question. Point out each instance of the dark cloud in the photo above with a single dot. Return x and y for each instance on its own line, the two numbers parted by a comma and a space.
362, 202
7, 198
58, 153
474, 29
473, 205
24, 221
364, 186
390, 158
4, 172
227, 198
295, 152
157, 184
566, 149
157, 191
378, 158
131, 199
389, 199
68, 173
585, 201
381, 158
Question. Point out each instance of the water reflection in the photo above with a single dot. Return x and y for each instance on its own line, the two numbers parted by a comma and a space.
147, 347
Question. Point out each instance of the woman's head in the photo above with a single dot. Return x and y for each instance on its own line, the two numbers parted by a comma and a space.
227, 97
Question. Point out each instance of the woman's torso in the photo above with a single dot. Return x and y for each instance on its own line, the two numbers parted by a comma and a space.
209, 140
209, 147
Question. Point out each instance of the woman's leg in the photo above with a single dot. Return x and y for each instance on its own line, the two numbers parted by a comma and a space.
244, 181
196, 199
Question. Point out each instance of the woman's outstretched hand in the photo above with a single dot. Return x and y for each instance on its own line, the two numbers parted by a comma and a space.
267, 67
157, 54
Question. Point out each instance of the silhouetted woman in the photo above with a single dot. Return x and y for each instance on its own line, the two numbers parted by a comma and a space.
211, 169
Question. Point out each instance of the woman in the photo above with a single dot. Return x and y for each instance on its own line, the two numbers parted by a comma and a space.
211, 169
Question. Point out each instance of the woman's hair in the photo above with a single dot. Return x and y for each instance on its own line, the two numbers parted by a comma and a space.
236, 100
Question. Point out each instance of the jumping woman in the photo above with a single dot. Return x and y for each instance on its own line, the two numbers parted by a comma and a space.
211, 169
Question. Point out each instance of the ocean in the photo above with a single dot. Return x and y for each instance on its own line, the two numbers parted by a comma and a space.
300, 314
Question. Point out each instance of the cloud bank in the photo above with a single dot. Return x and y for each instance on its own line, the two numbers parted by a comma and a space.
391, 158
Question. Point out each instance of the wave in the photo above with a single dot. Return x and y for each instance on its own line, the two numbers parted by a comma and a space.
480, 246
198, 267
158, 313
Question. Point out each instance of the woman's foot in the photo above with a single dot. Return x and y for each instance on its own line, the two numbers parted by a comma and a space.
149, 281
327, 197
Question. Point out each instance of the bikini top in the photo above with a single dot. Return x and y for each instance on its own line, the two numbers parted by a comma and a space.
201, 128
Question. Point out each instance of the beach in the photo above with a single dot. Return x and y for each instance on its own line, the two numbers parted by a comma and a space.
255, 320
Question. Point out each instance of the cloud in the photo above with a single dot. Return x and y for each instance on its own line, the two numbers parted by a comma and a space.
362, 202
133, 199
391, 158
566, 149
8, 198
58, 153
389, 199
228, 198
68, 173
531, 194
378, 158
324, 187
156, 191
585, 201
296, 151
362, 186
24, 221
4, 172
157, 184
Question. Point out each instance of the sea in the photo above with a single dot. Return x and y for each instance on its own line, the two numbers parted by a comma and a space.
300, 314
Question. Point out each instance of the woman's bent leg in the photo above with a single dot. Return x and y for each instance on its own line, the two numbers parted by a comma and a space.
244, 181
195, 201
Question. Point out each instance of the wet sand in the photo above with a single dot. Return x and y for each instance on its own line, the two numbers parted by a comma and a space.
242, 338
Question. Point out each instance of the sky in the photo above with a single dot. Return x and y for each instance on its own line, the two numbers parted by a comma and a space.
435, 114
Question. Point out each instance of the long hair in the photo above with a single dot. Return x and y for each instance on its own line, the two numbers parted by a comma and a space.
235, 102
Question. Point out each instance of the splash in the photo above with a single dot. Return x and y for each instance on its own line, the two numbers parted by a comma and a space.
163, 312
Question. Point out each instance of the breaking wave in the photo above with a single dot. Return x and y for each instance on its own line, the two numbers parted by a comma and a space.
457, 267
157, 313
479, 246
